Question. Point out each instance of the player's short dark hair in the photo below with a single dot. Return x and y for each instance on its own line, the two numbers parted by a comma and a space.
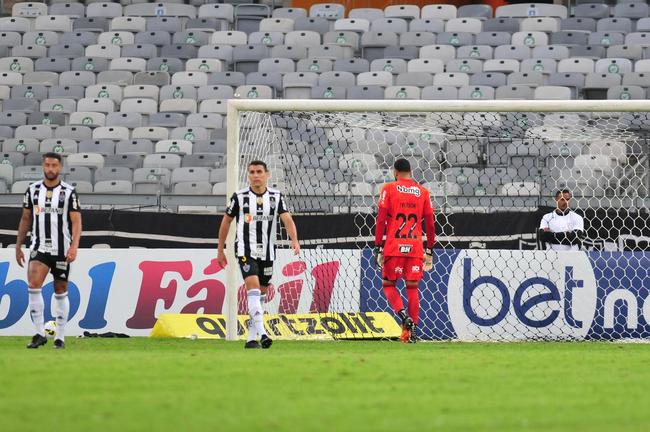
52, 155
402, 165
258, 162
561, 192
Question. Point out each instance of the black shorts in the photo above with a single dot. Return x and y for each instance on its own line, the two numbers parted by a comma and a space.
59, 267
255, 267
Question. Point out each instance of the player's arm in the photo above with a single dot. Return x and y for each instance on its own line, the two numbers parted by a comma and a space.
544, 234
380, 224
289, 225
75, 220
226, 220
223, 235
292, 231
430, 229
23, 227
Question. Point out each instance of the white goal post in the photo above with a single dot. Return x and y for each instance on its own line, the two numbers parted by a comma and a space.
609, 112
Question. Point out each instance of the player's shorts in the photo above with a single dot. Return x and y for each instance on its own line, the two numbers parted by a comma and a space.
397, 267
58, 266
255, 267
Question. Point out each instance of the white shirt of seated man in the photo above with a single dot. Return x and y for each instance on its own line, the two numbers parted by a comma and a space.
562, 219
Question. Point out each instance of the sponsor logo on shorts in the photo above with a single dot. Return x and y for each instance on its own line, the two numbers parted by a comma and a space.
399, 270
415, 269
61, 265
268, 271
405, 248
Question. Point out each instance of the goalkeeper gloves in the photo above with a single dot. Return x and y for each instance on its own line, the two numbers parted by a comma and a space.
428, 260
379, 257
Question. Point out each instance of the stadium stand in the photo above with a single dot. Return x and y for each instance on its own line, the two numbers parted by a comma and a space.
118, 88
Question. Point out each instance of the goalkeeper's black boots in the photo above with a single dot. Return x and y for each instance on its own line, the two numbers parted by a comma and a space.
413, 337
37, 340
266, 342
407, 326
59, 344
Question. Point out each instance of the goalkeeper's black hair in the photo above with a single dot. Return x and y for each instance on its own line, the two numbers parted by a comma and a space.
402, 165
259, 162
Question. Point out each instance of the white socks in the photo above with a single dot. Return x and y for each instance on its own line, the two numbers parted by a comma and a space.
36, 306
256, 313
61, 312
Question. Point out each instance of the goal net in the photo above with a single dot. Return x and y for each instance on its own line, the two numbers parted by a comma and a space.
492, 169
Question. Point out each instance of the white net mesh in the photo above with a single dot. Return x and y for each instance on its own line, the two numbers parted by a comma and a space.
491, 175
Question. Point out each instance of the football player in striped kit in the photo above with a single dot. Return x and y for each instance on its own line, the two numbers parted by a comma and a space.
256, 210
51, 207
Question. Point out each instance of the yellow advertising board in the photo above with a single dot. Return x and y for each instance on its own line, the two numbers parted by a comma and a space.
309, 326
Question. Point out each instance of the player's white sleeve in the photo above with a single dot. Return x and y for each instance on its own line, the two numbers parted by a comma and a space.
580, 222
544, 222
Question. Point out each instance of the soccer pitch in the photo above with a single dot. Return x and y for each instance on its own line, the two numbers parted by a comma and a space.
162, 384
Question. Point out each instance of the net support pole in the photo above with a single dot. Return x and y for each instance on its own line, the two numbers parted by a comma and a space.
232, 185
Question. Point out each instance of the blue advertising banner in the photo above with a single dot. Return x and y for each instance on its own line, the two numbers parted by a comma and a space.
481, 295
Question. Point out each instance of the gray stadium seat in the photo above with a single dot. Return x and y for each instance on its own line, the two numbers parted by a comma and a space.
233, 79
624, 92
97, 24
483, 11
269, 39
491, 79
247, 57
476, 92
591, 10
314, 65
431, 25
113, 187
280, 65
614, 24
578, 24
510, 25
317, 24
91, 64
440, 93
109, 173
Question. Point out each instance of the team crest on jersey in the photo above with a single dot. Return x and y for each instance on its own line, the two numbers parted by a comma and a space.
413, 190
48, 195
405, 249
260, 200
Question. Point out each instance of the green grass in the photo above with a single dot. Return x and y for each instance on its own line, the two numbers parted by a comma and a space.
183, 385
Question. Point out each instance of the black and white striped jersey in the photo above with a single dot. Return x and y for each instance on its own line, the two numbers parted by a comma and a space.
257, 220
51, 225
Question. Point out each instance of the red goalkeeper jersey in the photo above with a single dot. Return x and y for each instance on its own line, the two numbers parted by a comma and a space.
403, 206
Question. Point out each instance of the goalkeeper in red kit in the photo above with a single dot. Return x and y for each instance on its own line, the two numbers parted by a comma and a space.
403, 206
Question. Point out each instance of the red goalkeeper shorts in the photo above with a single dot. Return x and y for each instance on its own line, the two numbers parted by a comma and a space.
407, 268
